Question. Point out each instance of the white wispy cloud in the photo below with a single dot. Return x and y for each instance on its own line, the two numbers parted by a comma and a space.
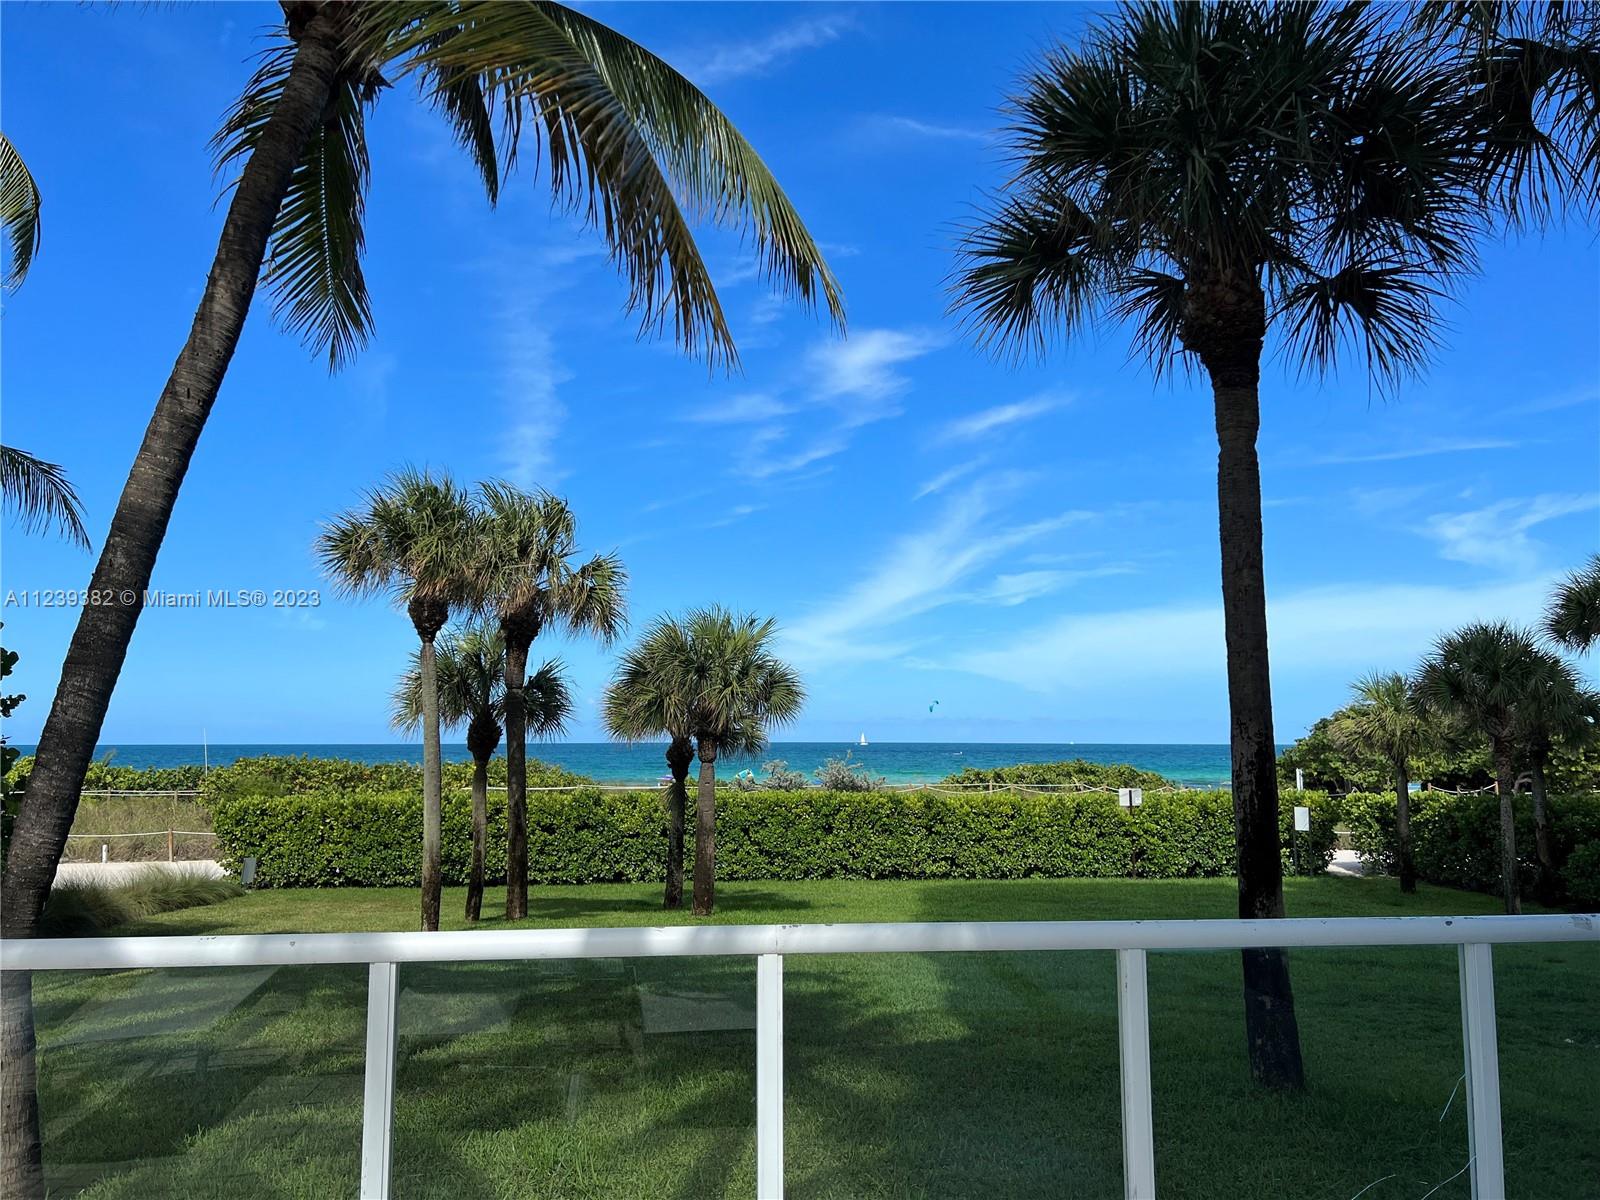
1349, 628
529, 376
863, 365
1496, 536
887, 123
1425, 449
755, 56
1001, 415
734, 515
945, 478
920, 571
737, 410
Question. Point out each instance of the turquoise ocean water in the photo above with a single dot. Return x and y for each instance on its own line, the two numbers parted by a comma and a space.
609, 762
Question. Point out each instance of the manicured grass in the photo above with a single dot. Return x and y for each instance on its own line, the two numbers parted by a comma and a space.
906, 1076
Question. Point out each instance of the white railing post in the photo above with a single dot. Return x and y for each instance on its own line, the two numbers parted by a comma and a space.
1133, 1033
769, 1077
1481, 1053
377, 1108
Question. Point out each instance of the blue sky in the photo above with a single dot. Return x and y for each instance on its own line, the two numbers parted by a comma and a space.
1032, 546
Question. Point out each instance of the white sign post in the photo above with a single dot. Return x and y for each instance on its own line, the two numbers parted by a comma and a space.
1299, 779
1302, 824
1130, 797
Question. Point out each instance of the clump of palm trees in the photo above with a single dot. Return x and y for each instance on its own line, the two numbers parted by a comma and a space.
1497, 682
469, 675
709, 681
500, 553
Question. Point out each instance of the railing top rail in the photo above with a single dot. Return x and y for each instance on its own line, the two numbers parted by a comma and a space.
292, 949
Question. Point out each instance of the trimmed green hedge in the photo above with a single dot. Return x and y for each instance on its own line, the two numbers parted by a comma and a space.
1076, 770
1456, 839
590, 836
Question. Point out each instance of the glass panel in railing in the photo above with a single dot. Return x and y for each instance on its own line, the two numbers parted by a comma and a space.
618, 1078
952, 1075
1547, 1006
199, 1084
1380, 1113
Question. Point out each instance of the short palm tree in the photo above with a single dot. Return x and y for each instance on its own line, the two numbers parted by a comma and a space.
1554, 710
1386, 719
1573, 617
411, 540
649, 698
470, 669
529, 574
714, 674
1478, 676
1214, 175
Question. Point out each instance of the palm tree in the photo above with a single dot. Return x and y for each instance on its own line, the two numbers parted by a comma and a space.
648, 698
1554, 709
412, 539
1478, 675
1211, 174
625, 141
712, 675
1573, 617
527, 571
1386, 719
470, 665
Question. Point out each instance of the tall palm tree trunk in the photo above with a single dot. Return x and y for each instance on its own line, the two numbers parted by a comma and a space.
1402, 824
680, 753
482, 737
1505, 780
705, 833
1547, 888
100, 642
1271, 1030
429, 617
516, 775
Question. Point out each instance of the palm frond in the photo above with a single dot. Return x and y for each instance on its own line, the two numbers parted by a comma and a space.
20, 203
39, 493
548, 697
415, 537
1390, 309
314, 258
622, 136
1572, 618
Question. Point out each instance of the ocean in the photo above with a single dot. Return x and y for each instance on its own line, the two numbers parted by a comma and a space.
611, 762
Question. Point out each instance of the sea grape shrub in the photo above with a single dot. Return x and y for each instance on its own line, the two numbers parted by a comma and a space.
1077, 771
591, 836
847, 775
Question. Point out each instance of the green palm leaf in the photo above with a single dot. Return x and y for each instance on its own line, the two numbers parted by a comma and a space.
41, 495
19, 211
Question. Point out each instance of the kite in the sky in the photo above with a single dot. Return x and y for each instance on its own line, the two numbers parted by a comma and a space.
933, 706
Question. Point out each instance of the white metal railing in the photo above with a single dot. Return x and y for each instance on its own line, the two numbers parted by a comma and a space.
768, 944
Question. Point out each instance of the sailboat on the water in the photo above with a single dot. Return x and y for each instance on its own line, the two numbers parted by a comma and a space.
862, 740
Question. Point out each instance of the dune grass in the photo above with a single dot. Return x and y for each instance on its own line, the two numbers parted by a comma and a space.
957, 1075
78, 907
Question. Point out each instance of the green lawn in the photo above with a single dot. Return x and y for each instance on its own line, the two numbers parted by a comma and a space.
906, 1075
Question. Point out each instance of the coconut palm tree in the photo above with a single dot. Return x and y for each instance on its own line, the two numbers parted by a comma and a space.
412, 539
1386, 719
1554, 709
470, 667
713, 675
526, 563
648, 698
1214, 175
1478, 676
1573, 617
624, 141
